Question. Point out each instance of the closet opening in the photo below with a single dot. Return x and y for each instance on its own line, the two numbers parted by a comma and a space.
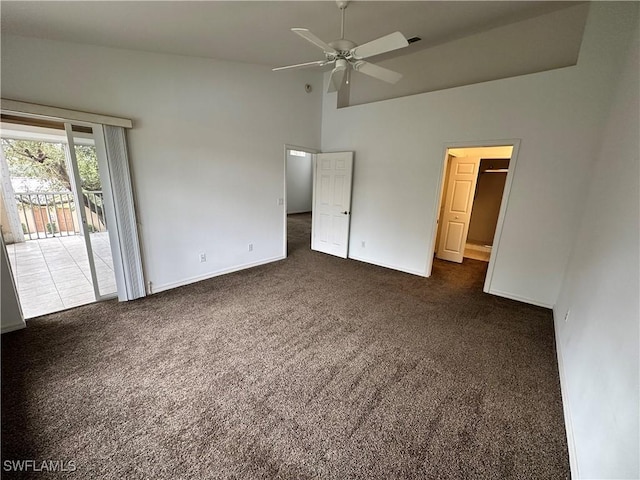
474, 192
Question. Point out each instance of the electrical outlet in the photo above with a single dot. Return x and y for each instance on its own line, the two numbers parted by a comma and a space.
566, 316
281, 201
251, 247
203, 257
363, 244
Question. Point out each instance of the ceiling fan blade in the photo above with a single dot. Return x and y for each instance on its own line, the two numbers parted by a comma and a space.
310, 37
337, 77
375, 71
390, 42
318, 63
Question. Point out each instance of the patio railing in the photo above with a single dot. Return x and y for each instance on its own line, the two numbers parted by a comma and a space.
51, 214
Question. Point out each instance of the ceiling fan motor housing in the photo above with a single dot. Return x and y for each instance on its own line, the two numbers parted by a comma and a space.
341, 63
343, 47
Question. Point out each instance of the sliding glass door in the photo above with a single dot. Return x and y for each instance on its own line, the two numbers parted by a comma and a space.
67, 210
56, 214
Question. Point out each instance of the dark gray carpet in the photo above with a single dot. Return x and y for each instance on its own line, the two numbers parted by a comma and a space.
312, 367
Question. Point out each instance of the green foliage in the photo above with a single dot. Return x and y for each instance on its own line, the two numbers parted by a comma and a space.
53, 167
88, 167
52, 228
21, 165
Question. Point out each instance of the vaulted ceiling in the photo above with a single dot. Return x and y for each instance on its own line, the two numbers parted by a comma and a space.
256, 32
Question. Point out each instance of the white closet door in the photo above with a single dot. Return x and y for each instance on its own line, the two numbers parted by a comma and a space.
457, 208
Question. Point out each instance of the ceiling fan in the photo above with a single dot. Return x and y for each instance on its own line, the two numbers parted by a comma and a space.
345, 54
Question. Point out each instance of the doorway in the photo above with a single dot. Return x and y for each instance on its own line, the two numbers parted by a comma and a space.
326, 204
298, 198
54, 221
299, 181
475, 185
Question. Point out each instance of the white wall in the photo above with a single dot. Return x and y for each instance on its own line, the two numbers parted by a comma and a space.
400, 147
205, 150
598, 345
531, 45
299, 183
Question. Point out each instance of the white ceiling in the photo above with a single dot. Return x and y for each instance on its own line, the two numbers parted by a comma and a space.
255, 32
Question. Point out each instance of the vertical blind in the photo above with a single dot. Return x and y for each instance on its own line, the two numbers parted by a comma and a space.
125, 216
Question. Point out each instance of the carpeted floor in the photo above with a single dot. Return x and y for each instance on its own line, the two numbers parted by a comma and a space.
312, 367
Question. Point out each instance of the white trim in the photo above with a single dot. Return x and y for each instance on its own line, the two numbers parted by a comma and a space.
501, 215
217, 273
477, 248
436, 212
566, 405
15, 233
385, 265
62, 114
314, 164
13, 328
519, 298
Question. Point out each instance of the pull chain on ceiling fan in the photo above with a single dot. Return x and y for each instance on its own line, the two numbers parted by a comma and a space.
345, 54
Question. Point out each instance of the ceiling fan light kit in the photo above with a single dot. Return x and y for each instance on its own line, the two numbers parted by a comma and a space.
345, 55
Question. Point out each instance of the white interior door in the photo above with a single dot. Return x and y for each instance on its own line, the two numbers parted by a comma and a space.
332, 203
457, 208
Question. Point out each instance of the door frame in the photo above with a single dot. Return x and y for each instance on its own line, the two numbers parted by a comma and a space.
313, 153
515, 143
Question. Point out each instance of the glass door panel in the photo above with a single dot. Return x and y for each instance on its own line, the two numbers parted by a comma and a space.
84, 156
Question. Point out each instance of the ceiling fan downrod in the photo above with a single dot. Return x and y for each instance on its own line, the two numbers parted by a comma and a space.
342, 5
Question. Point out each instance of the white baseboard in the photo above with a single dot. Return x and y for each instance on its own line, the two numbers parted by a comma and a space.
566, 405
519, 298
478, 248
14, 327
392, 267
217, 273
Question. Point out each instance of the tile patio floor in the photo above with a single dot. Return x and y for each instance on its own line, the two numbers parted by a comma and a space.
52, 274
